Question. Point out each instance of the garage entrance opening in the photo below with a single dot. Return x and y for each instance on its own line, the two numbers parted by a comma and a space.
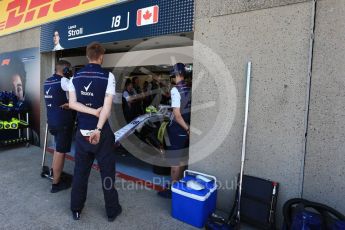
145, 64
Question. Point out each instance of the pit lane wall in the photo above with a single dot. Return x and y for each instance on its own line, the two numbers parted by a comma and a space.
325, 159
275, 36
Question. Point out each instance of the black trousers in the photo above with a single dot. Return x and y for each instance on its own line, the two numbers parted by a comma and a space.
86, 153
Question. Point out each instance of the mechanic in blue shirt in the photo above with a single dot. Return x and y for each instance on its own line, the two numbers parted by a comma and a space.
91, 93
60, 120
178, 130
131, 102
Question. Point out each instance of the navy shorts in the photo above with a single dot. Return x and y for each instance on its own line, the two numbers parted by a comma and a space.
63, 138
178, 151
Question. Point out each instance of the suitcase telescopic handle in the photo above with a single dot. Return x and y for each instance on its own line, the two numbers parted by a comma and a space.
199, 173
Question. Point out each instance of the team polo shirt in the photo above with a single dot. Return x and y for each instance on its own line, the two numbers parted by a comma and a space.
91, 84
181, 98
175, 98
55, 96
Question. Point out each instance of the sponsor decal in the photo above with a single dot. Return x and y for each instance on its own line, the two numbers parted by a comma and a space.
87, 87
86, 92
47, 96
47, 92
17, 15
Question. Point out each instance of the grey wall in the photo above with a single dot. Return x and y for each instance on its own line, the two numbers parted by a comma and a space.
21, 40
224, 7
276, 40
325, 159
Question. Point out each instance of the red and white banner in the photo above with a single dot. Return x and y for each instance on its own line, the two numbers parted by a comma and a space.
17, 15
148, 15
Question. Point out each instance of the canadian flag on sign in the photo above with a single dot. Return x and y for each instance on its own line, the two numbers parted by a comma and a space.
147, 16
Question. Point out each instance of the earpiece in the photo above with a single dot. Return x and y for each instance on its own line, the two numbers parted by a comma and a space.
67, 72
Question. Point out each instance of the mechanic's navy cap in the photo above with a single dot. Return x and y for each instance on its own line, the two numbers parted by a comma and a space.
178, 69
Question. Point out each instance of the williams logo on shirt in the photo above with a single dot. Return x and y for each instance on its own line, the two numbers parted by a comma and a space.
86, 92
47, 94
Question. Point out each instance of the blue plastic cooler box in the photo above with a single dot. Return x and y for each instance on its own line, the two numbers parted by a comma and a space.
194, 206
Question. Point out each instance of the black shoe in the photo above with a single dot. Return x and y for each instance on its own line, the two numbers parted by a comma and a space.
62, 185
66, 177
76, 215
112, 218
166, 193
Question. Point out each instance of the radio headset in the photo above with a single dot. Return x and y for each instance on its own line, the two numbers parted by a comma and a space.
67, 72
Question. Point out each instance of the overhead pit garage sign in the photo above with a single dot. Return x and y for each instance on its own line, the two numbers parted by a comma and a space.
131, 20
17, 15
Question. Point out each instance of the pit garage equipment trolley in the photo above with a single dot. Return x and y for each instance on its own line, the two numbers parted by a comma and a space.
14, 121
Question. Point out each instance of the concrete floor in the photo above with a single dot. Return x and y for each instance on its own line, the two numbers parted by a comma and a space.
26, 202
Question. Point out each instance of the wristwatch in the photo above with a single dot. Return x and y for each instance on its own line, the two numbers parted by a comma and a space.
98, 129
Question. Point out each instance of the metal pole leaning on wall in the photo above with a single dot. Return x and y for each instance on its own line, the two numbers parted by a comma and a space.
243, 158
45, 146
46, 171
